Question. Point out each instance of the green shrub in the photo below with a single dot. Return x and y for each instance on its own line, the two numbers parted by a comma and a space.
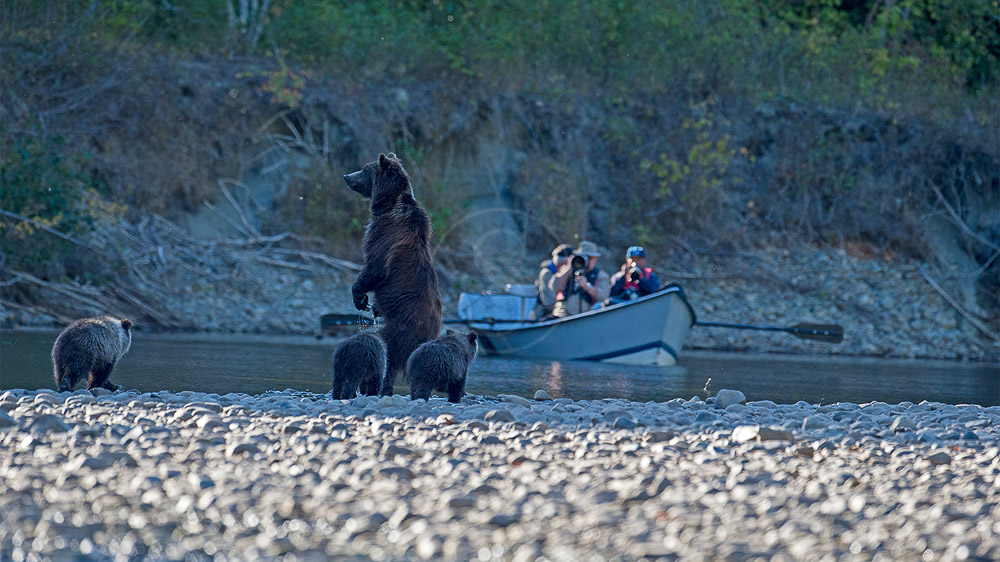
41, 184
785, 47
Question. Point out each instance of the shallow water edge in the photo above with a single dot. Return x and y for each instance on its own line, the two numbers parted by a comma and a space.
223, 363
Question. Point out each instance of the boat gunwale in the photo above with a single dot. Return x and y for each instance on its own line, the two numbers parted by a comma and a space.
669, 289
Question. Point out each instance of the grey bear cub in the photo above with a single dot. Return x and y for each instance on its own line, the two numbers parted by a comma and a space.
90, 348
358, 364
442, 364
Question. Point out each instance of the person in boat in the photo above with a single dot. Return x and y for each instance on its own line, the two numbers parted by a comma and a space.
580, 285
546, 292
635, 279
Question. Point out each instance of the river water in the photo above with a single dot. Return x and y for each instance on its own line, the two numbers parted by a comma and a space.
254, 364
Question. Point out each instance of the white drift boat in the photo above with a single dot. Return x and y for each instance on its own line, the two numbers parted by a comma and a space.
647, 331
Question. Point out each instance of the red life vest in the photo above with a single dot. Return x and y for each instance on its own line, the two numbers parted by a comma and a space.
644, 273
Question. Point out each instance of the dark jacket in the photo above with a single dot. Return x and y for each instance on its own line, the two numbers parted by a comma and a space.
648, 284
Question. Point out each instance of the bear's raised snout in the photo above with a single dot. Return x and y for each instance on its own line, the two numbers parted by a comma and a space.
359, 182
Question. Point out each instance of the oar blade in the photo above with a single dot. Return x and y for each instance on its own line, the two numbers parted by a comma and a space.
356, 318
335, 324
830, 333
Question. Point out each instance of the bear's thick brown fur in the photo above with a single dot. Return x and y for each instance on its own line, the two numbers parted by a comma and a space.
398, 265
442, 364
358, 364
89, 349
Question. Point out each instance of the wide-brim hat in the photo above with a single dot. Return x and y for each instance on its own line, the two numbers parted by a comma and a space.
587, 248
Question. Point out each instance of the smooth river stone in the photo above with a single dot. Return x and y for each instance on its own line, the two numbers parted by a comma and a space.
903, 423
521, 401
500, 415
726, 398
744, 433
48, 423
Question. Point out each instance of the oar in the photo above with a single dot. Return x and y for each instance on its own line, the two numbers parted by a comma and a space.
491, 321
335, 319
831, 333
364, 320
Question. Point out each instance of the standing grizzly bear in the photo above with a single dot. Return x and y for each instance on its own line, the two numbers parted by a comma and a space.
358, 364
89, 348
398, 265
442, 364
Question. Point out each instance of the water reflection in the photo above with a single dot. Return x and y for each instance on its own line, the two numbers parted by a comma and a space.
222, 364
555, 379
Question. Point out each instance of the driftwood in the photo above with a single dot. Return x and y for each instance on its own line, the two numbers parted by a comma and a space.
68, 301
236, 207
281, 263
239, 228
59, 317
146, 257
13, 281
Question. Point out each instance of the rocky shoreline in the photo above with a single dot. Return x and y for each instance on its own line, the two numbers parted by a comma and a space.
197, 476
886, 306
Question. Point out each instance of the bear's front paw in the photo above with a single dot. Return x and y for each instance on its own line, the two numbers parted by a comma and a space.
360, 301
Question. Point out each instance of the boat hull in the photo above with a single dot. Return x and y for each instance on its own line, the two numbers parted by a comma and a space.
646, 331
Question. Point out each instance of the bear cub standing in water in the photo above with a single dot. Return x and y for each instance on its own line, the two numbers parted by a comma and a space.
442, 364
358, 364
90, 348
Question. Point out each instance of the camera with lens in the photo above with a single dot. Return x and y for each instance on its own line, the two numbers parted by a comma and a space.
634, 275
578, 263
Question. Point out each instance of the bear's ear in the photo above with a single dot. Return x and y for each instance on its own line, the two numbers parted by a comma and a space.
383, 161
472, 337
449, 332
392, 156
127, 324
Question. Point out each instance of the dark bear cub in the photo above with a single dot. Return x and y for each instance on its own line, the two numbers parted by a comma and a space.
443, 365
90, 348
358, 364
398, 266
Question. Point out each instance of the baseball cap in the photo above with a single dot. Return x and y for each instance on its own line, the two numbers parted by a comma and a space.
635, 251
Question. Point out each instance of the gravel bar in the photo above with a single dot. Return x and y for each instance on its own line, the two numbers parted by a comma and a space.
295, 475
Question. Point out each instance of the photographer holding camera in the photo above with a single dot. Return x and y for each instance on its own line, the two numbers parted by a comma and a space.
635, 279
580, 284
546, 292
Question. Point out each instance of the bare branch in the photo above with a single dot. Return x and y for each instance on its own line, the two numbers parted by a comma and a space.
236, 207
951, 300
239, 228
959, 222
